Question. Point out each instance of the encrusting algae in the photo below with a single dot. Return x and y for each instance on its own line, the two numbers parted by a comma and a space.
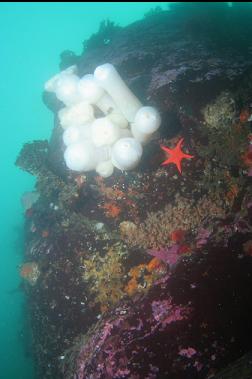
158, 228
105, 275
143, 276
29, 271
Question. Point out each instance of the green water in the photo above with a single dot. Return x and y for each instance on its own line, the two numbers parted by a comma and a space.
32, 36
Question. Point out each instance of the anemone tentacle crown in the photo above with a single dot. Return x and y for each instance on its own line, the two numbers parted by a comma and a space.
114, 140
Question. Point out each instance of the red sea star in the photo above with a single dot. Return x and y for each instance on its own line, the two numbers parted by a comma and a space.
175, 155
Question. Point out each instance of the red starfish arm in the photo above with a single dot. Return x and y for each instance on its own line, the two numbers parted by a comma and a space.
179, 167
166, 149
188, 156
180, 143
166, 162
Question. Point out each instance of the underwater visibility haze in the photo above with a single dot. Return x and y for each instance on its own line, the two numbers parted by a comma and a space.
33, 36
126, 235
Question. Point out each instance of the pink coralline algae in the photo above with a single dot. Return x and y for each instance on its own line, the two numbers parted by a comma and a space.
116, 348
93, 348
170, 331
169, 255
188, 352
202, 237
165, 312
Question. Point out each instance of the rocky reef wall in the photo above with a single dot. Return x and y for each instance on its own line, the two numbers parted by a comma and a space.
148, 273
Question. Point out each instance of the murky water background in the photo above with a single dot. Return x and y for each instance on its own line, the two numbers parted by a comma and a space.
32, 36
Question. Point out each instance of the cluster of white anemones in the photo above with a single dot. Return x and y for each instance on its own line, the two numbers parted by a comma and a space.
114, 140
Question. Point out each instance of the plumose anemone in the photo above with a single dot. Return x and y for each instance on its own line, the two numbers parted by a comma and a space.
112, 140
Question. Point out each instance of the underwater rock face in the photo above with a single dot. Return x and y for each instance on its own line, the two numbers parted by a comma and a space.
178, 58
147, 274
187, 325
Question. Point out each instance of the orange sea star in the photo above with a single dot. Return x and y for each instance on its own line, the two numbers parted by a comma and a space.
175, 155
